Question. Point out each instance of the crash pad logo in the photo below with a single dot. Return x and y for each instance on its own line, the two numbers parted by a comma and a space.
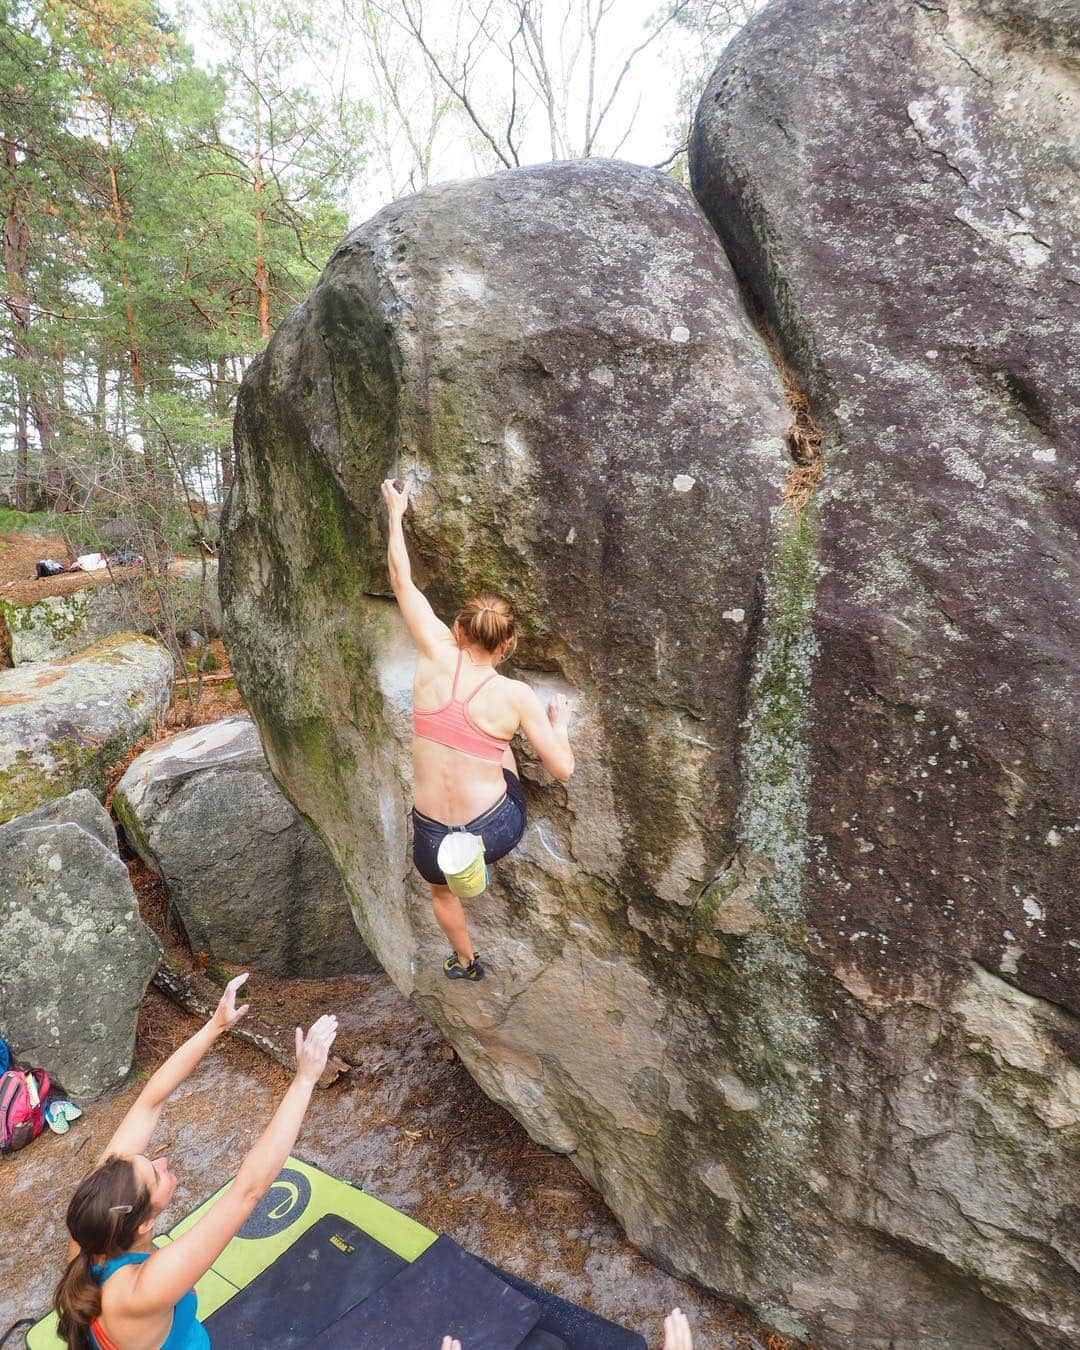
281, 1206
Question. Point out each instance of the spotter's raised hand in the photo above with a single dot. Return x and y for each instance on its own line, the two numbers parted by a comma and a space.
227, 1014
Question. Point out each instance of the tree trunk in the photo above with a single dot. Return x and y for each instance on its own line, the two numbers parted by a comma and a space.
134, 355
45, 422
22, 455
101, 393
225, 451
261, 284
16, 246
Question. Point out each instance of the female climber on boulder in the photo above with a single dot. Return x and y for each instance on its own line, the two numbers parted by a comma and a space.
119, 1291
464, 715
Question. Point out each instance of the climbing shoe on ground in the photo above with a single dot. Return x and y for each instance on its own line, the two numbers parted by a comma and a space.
454, 970
59, 1114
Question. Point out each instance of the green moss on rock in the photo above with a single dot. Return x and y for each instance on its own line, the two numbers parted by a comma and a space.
776, 1029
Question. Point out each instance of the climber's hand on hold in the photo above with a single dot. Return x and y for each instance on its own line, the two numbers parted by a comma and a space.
558, 711
227, 1014
677, 1331
448, 1343
397, 499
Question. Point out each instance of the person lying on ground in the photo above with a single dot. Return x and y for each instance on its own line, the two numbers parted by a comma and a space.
465, 713
676, 1334
119, 1292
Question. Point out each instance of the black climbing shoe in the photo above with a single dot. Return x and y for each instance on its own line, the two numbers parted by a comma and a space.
454, 970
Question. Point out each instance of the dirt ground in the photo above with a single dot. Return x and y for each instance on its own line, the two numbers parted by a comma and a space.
407, 1123
20, 551
19, 554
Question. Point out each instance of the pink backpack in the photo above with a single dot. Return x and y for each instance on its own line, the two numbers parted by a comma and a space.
23, 1096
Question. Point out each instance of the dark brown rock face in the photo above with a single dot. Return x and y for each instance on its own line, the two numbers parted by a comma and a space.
896, 182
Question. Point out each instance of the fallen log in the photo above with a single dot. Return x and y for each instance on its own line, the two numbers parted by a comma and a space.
207, 679
196, 994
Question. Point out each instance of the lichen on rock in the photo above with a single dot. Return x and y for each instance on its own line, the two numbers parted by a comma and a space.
560, 361
75, 957
64, 723
895, 185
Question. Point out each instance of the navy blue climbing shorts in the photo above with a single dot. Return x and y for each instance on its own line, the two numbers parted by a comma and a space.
500, 826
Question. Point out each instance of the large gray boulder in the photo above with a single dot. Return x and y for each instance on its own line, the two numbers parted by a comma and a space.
249, 881
560, 360
75, 958
897, 186
64, 723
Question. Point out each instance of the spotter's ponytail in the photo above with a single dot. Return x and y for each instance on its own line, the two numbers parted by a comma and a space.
103, 1218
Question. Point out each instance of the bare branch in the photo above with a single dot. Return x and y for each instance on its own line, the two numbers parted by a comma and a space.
679, 7
414, 17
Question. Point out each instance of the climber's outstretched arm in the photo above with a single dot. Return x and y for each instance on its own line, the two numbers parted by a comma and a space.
135, 1131
424, 625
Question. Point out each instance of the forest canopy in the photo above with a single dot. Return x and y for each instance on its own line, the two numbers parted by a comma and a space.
173, 181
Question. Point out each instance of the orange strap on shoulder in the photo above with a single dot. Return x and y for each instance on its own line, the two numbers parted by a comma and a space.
104, 1342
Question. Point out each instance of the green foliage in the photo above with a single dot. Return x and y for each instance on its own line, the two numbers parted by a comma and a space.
160, 221
39, 522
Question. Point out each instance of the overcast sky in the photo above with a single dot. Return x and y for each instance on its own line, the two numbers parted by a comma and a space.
651, 87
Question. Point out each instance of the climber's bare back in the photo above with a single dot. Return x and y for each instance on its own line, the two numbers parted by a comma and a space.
450, 785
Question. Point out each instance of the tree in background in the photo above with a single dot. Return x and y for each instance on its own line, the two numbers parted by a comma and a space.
160, 220
546, 79
33, 94
287, 148
410, 107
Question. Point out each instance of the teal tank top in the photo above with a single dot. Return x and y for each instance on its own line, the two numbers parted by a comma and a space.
187, 1332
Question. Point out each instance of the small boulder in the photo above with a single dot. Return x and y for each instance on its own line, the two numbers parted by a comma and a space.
75, 957
54, 626
80, 808
250, 882
63, 723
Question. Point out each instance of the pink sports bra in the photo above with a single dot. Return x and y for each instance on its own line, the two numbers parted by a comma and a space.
452, 726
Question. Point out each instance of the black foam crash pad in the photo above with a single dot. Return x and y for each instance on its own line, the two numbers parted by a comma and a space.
329, 1269
445, 1291
576, 1328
